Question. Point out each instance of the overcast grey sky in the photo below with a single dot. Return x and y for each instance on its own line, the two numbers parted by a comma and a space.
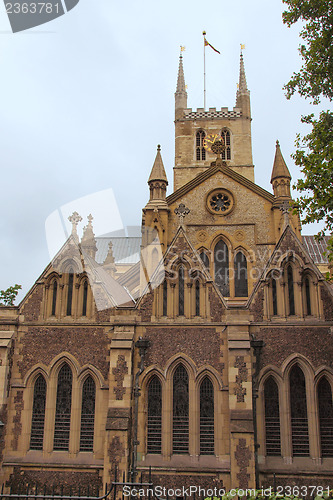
86, 98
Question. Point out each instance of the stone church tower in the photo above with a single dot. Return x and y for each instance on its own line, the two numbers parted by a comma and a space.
201, 348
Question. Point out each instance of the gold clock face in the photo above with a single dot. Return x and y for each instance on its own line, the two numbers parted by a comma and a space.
210, 140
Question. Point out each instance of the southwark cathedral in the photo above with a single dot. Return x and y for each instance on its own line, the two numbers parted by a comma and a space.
200, 348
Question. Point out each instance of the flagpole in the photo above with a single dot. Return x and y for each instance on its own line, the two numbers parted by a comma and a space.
204, 33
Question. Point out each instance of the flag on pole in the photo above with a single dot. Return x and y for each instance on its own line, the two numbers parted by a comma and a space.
210, 45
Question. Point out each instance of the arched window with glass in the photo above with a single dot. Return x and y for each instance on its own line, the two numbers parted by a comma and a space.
70, 286
199, 145
325, 407
54, 287
180, 427
290, 291
85, 298
240, 279
206, 417
63, 409
299, 413
38, 414
221, 267
181, 290
154, 427
165, 298
272, 418
88, 415
307, 296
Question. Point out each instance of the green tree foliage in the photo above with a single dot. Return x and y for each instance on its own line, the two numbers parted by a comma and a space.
314, 154
7, 297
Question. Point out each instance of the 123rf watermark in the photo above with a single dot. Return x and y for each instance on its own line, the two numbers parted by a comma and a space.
221, 493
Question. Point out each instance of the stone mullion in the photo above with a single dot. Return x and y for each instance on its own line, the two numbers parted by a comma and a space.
62, 287
203, 300
285, 423
76, 299
281, 294
313, 423
167, 421
50, 408
74, 439
193, 419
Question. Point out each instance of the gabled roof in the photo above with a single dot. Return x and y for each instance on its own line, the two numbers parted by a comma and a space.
212, 170
316, 248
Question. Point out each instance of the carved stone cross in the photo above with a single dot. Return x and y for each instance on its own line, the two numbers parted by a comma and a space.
74, 219
182, 211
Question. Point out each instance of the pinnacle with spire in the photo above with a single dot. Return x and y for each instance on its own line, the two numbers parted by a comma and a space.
158, 180
243, 93
158, 171
181, 94
280, 175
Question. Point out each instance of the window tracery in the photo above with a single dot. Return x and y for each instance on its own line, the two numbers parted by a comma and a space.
299, 413
180, 430
206, 417
221, 264
38, 414
200, 150
240, 275
226, 154
272, 418
154, 427
63, 409
88, 415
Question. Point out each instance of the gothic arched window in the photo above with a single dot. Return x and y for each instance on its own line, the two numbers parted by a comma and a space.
54, 297
181, 291
272, 418
63, 409
38, 414
180, 430
85, 298
274, 297
299, 413
197, 298
221, 263
325, 417
240, 268
70, 292
226, 154
206, 417
165, 298
291, 298
307, 296
154, 431
88, 415
205, 259
199, 148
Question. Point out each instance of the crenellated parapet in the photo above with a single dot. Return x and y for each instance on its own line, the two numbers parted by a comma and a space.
212, 113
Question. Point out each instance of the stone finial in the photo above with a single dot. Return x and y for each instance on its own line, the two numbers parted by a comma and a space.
74, 219
88, 242
109, 263
158, 172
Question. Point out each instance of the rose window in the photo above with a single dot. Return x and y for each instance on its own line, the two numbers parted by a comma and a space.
220, 202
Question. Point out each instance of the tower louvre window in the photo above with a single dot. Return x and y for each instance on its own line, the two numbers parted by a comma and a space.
180, 431
206, 417
63, 409
226, 154
325, 417
38, 414
272, 418
240, 268
221, 263
88, 415
200, 150
299, 414
154, 431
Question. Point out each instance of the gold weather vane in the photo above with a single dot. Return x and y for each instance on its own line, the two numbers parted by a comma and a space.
242, 46
182, 48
